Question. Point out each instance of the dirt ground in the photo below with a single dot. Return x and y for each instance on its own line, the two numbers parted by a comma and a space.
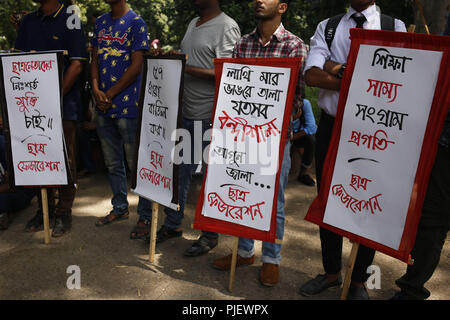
115, 267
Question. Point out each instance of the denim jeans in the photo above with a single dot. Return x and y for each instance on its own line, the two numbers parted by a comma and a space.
116, 135
271, 251
186, 170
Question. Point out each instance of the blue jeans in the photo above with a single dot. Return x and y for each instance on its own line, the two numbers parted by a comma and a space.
186, 170
116, 135
271, 251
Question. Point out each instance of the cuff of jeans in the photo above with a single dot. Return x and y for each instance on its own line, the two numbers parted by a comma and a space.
246, 254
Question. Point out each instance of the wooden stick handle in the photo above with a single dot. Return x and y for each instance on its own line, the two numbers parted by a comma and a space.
155, 209
422, 16
349, 272
45, 215
233, 263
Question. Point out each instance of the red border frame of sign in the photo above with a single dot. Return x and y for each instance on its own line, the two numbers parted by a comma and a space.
215, 225
434, 128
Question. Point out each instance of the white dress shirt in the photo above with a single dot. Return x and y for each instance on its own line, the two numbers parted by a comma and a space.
319, 52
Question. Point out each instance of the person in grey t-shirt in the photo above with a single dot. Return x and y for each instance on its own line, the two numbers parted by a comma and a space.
209, 36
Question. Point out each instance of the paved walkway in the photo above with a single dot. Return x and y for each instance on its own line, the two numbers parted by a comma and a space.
115, 267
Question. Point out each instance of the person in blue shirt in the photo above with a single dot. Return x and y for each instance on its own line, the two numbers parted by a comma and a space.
118, 46
304, 127
50, 28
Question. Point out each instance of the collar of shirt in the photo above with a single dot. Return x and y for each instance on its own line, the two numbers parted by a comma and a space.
279, 35
53, 15
370, 13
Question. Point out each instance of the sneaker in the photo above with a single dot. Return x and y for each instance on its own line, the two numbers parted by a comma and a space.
225, 262
318, 285
357, 293
201, 246
62, 226
4, 221
270, 274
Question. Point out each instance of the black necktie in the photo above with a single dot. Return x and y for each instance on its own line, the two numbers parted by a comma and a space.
360, 19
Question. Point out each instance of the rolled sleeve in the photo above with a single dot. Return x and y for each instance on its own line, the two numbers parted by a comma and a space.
319, 52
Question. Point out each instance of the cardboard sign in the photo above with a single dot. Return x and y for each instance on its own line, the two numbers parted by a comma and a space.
32, 103
393, 102
156, 175
252, 113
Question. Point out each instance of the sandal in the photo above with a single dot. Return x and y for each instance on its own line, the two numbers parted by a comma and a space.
201, 246
111, 217
36, 223
141, 230
165, 233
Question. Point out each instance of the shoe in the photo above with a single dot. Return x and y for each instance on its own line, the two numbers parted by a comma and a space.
62, 226
318, 284
36, 223
111, 217
141, 230
270, 274
307, 180
201, 246
400, 295
357, 293
165, 234
225, 262
4, 221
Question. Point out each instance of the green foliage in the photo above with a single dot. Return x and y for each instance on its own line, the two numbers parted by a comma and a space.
167, 20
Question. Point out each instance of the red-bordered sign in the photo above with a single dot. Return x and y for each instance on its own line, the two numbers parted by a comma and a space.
228, 227
438, 112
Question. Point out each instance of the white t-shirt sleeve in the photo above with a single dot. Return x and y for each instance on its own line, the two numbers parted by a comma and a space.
319, 52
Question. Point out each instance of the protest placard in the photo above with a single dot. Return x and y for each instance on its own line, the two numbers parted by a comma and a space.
393, 101
156, 174
32, 103
250, 127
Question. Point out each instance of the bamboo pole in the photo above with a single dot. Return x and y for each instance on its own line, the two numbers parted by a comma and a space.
349, 272
155, 209
45, 215
233, 263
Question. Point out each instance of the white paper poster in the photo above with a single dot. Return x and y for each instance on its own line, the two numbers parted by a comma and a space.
33, 101
155, 167
383, 128
244, 152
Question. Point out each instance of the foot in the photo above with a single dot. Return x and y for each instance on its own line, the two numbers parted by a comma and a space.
141, 230
111, 217
166, 233
270, 274
36, 223
201, 246
62, 226
307, 180
225, 262
318, 285
357, 293
4, 221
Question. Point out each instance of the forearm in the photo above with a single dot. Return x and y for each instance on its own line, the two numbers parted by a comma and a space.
201, 73
316, 77
71, 75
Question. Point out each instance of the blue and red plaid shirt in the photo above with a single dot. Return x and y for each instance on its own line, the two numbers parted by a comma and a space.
282, 44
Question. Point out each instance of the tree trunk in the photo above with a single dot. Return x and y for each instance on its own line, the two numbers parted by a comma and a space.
435, 15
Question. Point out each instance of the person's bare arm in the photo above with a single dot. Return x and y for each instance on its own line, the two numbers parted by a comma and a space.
137, 58
71, 75
100, 96
201, 73
316, 77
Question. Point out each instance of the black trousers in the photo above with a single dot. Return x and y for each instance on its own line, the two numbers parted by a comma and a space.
331, 242
432, 231
307, 142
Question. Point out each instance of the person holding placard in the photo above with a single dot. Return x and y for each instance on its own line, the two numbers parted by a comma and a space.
119, 43
324, 68
211, 35
269, 39
434, 222
48, 29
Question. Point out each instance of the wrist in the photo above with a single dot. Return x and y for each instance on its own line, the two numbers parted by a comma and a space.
340, 72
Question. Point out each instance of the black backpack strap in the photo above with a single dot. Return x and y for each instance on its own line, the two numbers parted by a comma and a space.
387, 23
330, 29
